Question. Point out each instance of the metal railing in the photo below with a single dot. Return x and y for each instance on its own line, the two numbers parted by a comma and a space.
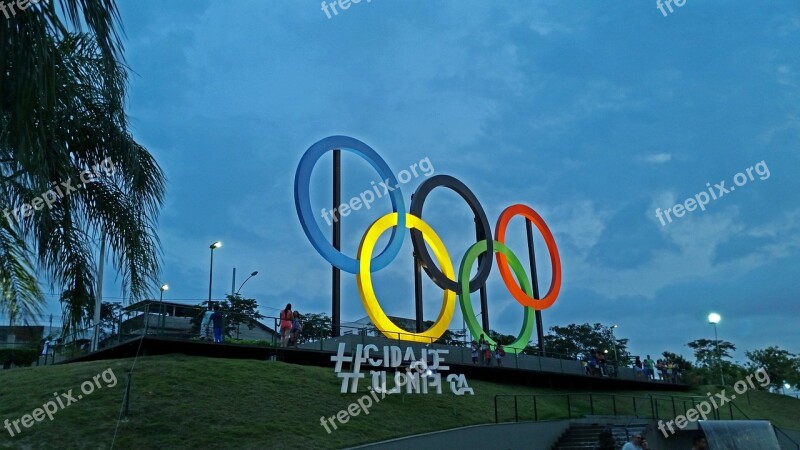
551, 407
566, 406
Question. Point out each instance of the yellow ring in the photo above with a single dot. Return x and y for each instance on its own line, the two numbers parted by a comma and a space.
364, 280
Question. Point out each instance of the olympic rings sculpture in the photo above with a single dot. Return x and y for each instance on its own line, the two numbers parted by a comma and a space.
364, 264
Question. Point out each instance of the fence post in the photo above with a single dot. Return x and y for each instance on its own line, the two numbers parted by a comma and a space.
674, 414
127, 397
496, 420
535, 410
569, 408
516, 414
634, 406
591, 404
614, 403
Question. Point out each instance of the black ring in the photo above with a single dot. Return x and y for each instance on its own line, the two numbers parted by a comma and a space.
484, 264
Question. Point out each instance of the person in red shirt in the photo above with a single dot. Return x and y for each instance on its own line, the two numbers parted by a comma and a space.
286, 325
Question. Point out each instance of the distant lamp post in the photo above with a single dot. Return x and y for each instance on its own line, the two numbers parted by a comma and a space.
615, 342
217, 244
164, 287
714, 319
245, 281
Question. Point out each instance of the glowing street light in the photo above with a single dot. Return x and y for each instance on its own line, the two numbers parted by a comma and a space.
217, 244
164, 287
714, 319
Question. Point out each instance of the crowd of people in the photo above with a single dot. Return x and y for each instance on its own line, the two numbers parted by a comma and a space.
667, 370
483, 350
291, 325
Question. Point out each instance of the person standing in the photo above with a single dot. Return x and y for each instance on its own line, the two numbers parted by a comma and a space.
485, 352
499, 354
649, 368
204, 325
637, 367
286, 324
474, 351
297, 327
216, 320
637, 443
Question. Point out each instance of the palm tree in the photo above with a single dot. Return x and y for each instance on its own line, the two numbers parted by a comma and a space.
61, 113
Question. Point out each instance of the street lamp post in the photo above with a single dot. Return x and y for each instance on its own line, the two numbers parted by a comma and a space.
245, 281
714, 319
615, 342
164, 287
217, 244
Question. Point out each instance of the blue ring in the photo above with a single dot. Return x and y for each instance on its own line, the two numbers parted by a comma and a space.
302, 203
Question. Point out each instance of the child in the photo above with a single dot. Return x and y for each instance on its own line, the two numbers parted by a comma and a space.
487, 354
297, 327
499, 354
474, 351
216, 319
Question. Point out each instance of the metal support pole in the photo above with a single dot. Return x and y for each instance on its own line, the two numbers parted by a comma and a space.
418, 293
98, 297
480, 236
719, 356
535, 285
336, 284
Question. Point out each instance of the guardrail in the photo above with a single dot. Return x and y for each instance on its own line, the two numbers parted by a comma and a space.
551, 407
154, 319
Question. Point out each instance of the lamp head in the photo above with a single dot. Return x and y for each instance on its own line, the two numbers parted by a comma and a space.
164, 287
254, 273
714, 318
217, 244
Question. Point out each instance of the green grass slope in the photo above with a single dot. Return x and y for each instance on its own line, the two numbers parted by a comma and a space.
193, 402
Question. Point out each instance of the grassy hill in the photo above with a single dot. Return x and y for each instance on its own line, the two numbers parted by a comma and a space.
192, 402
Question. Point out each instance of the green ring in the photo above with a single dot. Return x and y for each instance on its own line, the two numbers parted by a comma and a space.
466, 305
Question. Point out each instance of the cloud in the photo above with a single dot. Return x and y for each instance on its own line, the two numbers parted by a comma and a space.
657, 158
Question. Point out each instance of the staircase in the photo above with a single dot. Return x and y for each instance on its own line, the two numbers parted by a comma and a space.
585, 436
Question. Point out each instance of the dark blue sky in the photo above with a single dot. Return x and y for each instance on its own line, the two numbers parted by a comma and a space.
593, 113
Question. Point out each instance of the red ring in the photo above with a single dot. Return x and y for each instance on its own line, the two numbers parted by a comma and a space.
555, 261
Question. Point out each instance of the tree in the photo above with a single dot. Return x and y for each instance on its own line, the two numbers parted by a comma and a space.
236, 312
781, 366
709, 352
572, 340
679, 359
315, 326
109, 315
61, 113
239, 311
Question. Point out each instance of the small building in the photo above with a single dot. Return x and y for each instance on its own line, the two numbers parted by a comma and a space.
21, 336
182, 320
